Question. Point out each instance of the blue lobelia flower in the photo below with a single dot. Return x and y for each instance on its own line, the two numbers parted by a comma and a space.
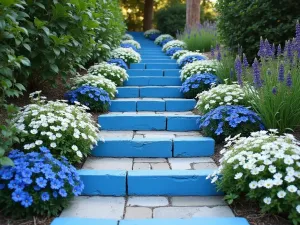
62, 192
27, 200
45, 196
56, 184
41, 182
18, 195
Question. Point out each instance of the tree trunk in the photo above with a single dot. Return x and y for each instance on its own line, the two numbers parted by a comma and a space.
192, 13
148, 14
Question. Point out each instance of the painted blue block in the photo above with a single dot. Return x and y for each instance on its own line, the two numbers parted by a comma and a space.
151, 105
160, 92
172, 73
128, 92
180, 105
193, 221
170, 182
142, 72
162, 66
137, 66
153, 81
122, 106
158, 61
83, 221
193, 147
132, 122
103, 182
124, 147
182, 123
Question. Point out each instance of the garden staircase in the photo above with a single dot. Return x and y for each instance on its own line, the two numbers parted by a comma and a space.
152, 168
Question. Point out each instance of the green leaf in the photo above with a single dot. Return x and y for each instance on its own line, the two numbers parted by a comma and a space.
46, 30
56, 51
20, 87
8, 2
27, 46
2, 151
2, 24
6, 71
54, 68
5, 161
25, 61
40, 5
38, 23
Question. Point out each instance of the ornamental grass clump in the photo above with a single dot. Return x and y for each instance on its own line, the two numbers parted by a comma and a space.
127, 54
67, 130
202, 66
222, 94
179, 53
152, 34
95, 98
172, 51
127, 37
172, 44
109, 71
265, 168
118, 62
190, 57
37, 184
162, 38
198, 83
96, 81
229, 120
132, 42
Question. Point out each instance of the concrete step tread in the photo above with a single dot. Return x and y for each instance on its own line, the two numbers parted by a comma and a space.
148, 134
151, 113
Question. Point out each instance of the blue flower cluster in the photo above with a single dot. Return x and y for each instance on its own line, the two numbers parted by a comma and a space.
190, 59
127, 45
230, 120
172, 51
90, 96
152, 37
119, 62
198, 83
38, 177
165, 41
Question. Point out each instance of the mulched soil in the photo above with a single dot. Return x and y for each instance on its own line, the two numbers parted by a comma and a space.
28, 221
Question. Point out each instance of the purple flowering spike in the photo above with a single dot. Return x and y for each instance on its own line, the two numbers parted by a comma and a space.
218, 47
273, 50
256, 74
279, 50
212, 52
219, 56
245, 61
289, 81
289, 52
261, 51
274, 90
281, 73
239, 70
268, 49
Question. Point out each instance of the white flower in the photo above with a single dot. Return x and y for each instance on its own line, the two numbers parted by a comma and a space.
267, 200
38, 142
161, 38
272, 169
281, 194
288, 160
268, 183
289, 179
34, 131
132, 42
74, 147
228, 98
172, 44
238, 176
253, 185
53, 145
79, 154
298, 208
292, 188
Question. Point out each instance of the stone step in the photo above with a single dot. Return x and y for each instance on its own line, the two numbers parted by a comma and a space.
171, 121
153, 72
154, 66
154, 56
150, 92
151, 104
159, 60
153, 81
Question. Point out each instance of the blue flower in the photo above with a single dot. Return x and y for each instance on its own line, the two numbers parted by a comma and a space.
45, 196
56, 184
77, 190
44, 149
55, 195
118, 62
26, 173
27, 180
18, 195
172, 51
41, 182
27, 201
128, 45
36, 188
62, 192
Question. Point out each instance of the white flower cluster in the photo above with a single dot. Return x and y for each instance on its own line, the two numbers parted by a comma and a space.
96, 81
127, 37
67, 130
110, 71
179, 53
162, 37
132, 42
193, 54
172, 44
127, 54
223, 94
265, 164
201, 66
147, 33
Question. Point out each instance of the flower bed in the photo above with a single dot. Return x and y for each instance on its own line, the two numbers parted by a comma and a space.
172, 44
118, 62
190, 57
179, 53
172, 51
202, 66
127, 37
163, 37
132, 42
152, 34
127, 54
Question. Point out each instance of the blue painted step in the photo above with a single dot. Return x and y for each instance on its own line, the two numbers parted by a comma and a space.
149, 92
83, 221
153, 81
171, 73
154, 66
149, 121
155, 56
159, 60
143, 72
155, 147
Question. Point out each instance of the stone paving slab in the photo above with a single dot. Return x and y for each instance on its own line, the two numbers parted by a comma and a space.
108, 163
197, 201
138, 213
148, 201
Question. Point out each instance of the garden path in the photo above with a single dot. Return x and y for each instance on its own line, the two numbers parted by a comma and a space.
153, 165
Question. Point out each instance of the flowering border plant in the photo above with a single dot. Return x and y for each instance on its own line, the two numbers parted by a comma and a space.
265, 167
118, 62
172, 51
123, 45
190, 57
38, 184
198, 83
112, 72
152, 34
132, 42
172, 44
127, 37
163, 37
202, 66
127, 54
179, 53
227, 120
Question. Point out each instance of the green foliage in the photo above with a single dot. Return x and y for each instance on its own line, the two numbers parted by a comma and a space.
242, 22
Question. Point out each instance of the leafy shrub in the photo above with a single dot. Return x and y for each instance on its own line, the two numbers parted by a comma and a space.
152, 34
127, 37
160, 39
127, 54
202, 66
118, 62
96, 81
172, 44
200, 38
198, 83
172, 51
67, 130
229, 120
95, 98
110, 71
38, 184
265, 168
122, 45
241, 23
222, 94
171, 19
179, 53
190, 57
132, 42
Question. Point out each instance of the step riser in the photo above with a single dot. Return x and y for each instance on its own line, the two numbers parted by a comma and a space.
158, 61
155, 148
148, 123
153, 72
149, 92
153, 81
154, 66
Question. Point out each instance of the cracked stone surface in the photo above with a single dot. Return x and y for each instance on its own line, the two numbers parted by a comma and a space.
138, 213
108, 163
147, 201
197, 201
